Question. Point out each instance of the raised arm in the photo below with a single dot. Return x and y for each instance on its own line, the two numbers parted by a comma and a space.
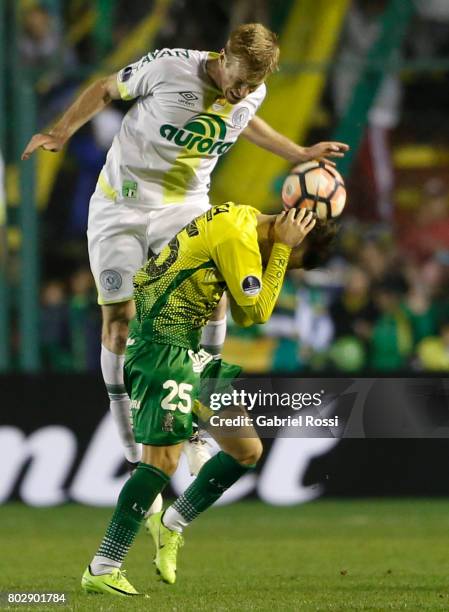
260, 133
87, 105
289, 231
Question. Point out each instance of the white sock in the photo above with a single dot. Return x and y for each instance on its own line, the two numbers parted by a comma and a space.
103, 565
213, 336
173, 520
112, 368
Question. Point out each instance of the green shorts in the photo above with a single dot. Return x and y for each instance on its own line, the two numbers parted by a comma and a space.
164, 382
162, 386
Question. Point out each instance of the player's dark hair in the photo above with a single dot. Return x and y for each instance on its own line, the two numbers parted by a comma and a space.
319, 244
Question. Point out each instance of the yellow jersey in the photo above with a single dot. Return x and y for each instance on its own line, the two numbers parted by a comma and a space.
177, 290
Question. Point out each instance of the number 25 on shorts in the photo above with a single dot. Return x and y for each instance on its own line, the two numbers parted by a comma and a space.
178, 397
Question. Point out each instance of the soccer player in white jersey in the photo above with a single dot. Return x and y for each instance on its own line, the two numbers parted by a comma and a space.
191, 106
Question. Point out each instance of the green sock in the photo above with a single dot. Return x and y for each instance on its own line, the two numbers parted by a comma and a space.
137, 495
217, 475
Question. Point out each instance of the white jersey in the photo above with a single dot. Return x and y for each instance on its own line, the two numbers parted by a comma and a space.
172, 137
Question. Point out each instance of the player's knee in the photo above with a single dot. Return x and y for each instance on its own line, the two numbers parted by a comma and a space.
250, 453
164, 458
167, 464
114, 336
116, 320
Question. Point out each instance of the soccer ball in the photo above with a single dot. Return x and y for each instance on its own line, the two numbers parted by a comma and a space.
317, 186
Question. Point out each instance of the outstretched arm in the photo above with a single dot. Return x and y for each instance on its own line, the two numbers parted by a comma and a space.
289, 231
89, 103
263, 135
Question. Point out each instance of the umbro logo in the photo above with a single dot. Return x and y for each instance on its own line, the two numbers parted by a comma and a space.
188, 95
187, 98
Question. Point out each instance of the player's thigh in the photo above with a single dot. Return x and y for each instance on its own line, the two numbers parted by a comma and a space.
162, 386
116, 242
114, 260
121, 313
242, 442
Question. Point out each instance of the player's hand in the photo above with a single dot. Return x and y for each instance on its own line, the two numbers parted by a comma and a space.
291, 228
46, 141
323, 150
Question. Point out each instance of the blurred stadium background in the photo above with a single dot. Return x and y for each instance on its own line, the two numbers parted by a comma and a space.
373, 73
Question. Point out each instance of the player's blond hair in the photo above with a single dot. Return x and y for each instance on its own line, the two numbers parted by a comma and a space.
256, 47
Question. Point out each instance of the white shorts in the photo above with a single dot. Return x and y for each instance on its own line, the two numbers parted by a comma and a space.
120, 235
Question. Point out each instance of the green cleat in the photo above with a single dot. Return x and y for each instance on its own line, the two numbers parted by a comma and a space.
167, 543
113, 583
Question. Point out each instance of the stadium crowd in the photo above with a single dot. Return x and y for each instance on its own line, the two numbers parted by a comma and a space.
382, 304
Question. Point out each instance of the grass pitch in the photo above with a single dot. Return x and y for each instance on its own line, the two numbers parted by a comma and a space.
326, 555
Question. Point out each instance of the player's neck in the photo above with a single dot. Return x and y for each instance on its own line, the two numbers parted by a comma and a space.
213, 72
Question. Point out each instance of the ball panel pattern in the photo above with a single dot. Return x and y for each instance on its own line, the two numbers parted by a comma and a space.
317, 186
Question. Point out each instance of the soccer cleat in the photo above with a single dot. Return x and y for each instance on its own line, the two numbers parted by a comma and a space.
197, 453
167, 543
113, 583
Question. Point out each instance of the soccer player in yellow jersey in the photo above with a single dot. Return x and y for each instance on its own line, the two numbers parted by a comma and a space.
229, 248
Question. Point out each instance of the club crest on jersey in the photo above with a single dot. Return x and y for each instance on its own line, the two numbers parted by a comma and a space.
251, 285
203, 133
239, 117
111, 280
167, 422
